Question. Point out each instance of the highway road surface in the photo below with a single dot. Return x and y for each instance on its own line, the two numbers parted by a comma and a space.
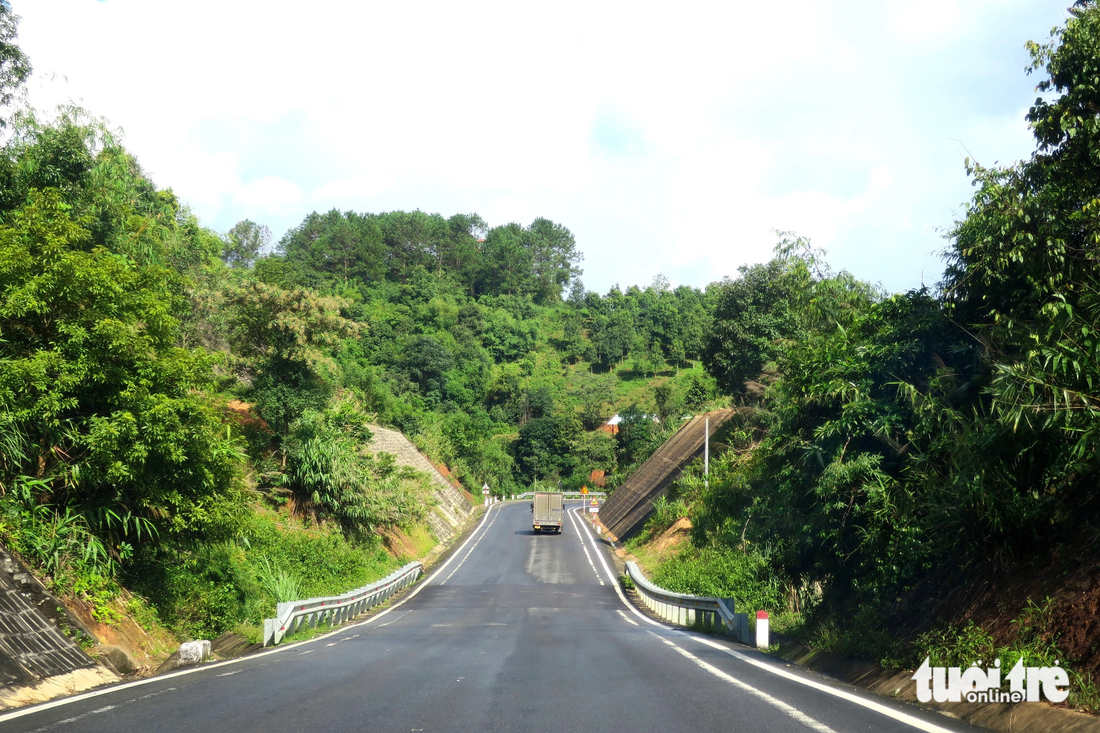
515, 632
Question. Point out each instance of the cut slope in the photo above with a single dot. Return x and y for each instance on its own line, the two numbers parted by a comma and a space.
451, 507
33, 649
625, 512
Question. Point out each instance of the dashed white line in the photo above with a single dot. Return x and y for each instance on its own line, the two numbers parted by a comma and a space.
467, 557
78, 718
788, 710
842, 694
626, 618
111, 689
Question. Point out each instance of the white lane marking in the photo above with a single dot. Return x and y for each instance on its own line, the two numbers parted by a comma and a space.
308, 651
392, 620
786, 709
332, 644
278, 650
627, 618
584, 547
615, 583
82, 716
471, 552
901, 717
843, 694
230, 674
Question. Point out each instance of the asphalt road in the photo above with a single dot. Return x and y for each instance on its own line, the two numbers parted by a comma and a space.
516, 632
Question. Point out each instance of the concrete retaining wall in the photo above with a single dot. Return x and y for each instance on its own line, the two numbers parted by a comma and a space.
451, 508
32, 646
626, 511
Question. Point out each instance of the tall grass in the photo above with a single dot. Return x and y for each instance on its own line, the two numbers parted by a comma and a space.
278, 582
60, 542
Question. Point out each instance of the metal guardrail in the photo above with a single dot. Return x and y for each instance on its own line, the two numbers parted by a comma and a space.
686, 610
567, 495
293, 615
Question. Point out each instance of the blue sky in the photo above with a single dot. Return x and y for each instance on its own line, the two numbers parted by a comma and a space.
672, 139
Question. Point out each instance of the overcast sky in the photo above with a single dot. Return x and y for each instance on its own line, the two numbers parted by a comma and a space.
670, 139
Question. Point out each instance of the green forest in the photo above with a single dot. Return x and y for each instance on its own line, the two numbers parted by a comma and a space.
183, 411
913, 454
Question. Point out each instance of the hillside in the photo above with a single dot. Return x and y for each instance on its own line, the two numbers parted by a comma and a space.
187, 416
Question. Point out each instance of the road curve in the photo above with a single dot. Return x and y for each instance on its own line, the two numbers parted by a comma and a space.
516, 632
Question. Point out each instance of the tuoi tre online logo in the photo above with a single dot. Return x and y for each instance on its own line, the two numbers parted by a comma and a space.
952, 684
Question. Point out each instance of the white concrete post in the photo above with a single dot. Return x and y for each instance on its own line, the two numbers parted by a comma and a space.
761, 629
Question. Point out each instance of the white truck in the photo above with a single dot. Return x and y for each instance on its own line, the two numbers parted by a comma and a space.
546, 511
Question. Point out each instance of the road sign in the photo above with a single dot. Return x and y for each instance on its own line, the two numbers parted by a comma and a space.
485, 489
584, 489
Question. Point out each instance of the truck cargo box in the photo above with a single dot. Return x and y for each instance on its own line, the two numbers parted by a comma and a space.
546, 510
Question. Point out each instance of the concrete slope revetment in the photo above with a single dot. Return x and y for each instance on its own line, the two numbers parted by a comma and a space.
37, 660
451, 508
625, 511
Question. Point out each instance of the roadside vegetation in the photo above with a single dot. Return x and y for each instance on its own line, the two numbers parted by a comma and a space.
915, 474
184, 413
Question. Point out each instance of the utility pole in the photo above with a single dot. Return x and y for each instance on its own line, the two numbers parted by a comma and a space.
706, 452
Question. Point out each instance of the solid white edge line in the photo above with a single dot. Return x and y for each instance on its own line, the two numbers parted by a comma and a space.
843, 694
49, 705
615, 581
471, 552
786, 708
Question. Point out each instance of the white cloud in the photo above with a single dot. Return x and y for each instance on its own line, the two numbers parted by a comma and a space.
927, 16
830, 117
269, 195
351, 190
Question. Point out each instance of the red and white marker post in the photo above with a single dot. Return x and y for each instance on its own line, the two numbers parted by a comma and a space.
761, 629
